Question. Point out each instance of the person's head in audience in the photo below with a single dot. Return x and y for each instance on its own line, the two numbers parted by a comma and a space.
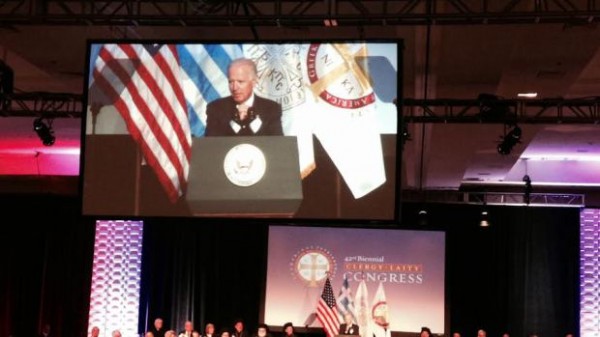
456, 334
116, 333
149, 334
288, 329
195, 334
158, 324
209, 329
95, 331
425, 332
481, 333
569, 334
188, 327
262, 330
238, 325
170, 333
46, 330
224, 333
506, 334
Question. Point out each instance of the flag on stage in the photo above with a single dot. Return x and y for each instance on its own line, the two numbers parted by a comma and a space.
204, 73
326, 312
144, 84
379, 309
345, 301
361, 308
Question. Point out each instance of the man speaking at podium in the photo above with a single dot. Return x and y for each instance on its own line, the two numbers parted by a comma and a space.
243, 113
348, 327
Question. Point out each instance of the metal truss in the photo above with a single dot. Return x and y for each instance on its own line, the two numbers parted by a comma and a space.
495, 198
537, 111
295, 12
542, 111
51, 105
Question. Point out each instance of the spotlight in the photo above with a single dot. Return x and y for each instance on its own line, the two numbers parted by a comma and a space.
509, 140
422, 217
405, 135
528, 189
44, 131
330, 22
485, 222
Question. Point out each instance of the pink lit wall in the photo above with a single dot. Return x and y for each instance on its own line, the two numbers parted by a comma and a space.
22, 152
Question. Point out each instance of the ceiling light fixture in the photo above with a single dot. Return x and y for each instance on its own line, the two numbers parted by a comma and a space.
484, 222
527, 94
330, 22
422, 217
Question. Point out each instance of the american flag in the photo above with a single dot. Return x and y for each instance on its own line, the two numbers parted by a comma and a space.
143, 83
344, 300
326, 312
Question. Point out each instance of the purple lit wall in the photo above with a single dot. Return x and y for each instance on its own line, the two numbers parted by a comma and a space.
116, 273
590, 273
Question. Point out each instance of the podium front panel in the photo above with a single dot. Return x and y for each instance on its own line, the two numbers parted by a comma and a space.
278, 192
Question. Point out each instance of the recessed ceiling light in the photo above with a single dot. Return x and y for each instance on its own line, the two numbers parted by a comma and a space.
527, 94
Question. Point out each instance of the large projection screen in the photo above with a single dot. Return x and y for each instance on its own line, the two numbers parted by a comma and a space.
164, 134
404, 268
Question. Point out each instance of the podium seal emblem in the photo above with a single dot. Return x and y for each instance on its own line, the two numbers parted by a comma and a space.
244, 165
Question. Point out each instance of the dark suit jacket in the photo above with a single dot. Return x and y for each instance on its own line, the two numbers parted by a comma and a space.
220, 112
157, 333
353, 329
243, 333
183, 333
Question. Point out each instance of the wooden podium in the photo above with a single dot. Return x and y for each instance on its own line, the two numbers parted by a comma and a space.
254, 176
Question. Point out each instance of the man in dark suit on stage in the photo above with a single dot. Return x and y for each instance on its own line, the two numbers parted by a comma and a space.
348, 327
243, 113
45, 331
188, 329
157, 328
238, 329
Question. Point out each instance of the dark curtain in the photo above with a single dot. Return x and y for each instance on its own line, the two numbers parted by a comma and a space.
202, 271
518, 276
46, 255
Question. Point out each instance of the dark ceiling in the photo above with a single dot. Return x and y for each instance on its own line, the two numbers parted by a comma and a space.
453, 50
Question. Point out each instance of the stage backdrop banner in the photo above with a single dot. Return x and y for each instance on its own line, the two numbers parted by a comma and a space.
384, 278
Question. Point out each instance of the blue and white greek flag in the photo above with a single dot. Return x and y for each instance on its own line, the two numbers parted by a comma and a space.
205, 78
345, 300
